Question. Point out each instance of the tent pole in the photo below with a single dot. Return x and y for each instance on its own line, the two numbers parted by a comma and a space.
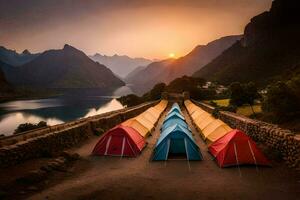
123, 144
131, 148
237, 160
167, 153
253, 155
187, 154
107, 145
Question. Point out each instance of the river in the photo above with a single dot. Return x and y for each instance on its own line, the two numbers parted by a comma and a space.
58, 110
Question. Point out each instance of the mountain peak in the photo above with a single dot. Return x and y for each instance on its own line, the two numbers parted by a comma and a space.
26, 52
69, 47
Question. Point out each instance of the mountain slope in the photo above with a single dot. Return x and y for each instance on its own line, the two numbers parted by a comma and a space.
120, 65
166, 71
13, 58
5, 88
63, 68
270, 48
134, 72
3, 82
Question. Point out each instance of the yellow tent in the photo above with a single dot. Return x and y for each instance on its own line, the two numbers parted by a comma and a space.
149, 117
218, 133
211, 127
155, 112
138, 126
202, 124
215, 130
201, 117
145, 122
161, 105
197, 113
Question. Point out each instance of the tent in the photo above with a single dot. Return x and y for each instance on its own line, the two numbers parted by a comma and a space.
120, 141
236, 148
197, 113
155, 112
145, 122
138, 126
202, 124
174, 109
174, 121
147, 115
176, 140
215, 130
173, 115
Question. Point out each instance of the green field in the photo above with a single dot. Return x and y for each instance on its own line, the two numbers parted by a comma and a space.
242, 110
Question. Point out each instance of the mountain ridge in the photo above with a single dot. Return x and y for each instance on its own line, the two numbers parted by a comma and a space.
121, 65
269, 49
168, 70
62, 68
11, 57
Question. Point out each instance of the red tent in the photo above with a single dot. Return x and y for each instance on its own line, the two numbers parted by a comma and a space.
237, 148
120, 141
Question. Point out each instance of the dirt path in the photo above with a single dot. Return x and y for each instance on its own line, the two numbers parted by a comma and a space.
138, 178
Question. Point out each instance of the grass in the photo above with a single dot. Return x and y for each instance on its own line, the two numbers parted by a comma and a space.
247, 111
242, 110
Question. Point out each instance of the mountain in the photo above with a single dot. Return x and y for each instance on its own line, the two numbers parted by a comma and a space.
13, 58
134, 72
63, 68
270, 49
5, 88
3, 82
168, 70
120, 65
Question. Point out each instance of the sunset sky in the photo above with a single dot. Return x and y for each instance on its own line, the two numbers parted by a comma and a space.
137, 28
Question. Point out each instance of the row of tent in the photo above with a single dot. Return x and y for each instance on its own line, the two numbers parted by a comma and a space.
128, 138
229, 147
176, 138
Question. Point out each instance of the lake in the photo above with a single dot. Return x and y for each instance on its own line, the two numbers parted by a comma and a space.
58, 110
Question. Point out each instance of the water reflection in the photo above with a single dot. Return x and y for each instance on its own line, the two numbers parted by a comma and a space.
112, 105
53, 110
10, 122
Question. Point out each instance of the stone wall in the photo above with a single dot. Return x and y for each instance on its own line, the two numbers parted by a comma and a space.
282, 140
49, 141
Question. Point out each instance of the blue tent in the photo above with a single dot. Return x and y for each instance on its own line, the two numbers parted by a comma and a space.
174, 121
175, 109
173, 115
176, 140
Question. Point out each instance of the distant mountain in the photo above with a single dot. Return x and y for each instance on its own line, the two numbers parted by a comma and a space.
168, 70
5, 88
270, 49
3, 82
133, 73
120, 65
13, 58
63, 68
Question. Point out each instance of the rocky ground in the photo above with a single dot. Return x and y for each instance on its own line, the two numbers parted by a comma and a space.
88, 177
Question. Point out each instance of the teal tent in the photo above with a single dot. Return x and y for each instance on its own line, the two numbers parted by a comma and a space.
174, 109
174, 121
173, 115
176, 140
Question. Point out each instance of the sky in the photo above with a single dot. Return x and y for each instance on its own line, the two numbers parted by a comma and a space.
138, 28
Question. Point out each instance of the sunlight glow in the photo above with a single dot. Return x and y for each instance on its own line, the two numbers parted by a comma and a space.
171, 55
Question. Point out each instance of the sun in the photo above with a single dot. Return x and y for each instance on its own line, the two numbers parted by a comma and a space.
171, 55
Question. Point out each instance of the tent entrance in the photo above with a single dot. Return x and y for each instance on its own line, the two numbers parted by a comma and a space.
177, 149
116, 145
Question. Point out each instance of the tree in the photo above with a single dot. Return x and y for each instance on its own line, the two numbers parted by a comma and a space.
28, 126
237, 94
282, 100
241, 94
155, 92
251, 93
